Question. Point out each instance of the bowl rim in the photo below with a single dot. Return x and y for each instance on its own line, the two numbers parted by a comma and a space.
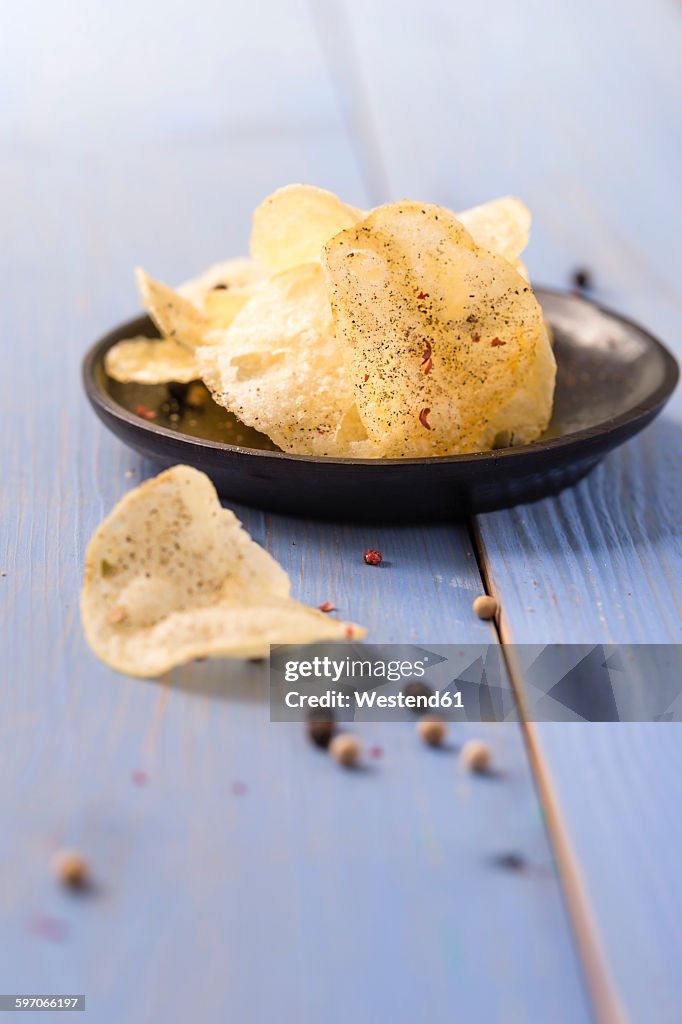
648, 407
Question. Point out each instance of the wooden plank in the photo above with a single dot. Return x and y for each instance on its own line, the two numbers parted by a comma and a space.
577, 112
239, 873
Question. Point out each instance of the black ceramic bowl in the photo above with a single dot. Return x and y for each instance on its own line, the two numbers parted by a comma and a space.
613, 378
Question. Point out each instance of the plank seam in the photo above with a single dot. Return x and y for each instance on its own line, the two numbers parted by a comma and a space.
339, 54
605, 1000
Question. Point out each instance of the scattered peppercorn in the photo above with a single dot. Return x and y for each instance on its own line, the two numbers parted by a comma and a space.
485, 606
432, 731
345, 749
327, 606
510, 861
145, 413
582, 279
71, 868
416, 688
177, 392
197, 396
475, 756
320, 731
373, 557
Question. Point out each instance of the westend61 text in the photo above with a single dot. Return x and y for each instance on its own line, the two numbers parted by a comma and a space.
372, 699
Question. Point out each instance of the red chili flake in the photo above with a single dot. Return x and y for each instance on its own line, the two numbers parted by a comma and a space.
238, 788
373, 557
428, 366
147, 414
327, 606
376, 752
139, 777
427, 353
321, 431
48, 927
366, 377
497, 341
422, 418
349, 632
422, 295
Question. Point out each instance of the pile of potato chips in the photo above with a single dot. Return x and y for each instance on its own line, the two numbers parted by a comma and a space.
408, 331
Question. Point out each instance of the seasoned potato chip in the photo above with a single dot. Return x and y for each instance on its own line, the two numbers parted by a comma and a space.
175, 316
291, 225
279, 369
150, 361
171, 576
444, 340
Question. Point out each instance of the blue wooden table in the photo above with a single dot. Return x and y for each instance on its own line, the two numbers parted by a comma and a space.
240, 875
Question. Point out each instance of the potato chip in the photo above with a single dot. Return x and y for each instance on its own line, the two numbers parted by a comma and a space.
150, 361
171, 576
175, 316
222, 290
229, 275
444, 341
291, 225
501, 226
279, 369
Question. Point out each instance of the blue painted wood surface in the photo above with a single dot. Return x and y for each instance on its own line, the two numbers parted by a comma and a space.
145, 134
377, 887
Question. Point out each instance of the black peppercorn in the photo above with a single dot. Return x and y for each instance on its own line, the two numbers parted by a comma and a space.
320, 728
416, 688
510, 861
582, 279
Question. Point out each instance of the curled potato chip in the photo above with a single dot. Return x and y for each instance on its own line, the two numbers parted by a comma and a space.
150, 361
444, 340
291, 225
175, 316
171, 576
236, 274
501, 226
222, 290
279, 369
